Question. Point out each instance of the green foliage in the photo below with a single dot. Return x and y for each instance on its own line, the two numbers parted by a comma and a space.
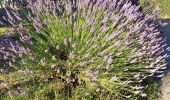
153, 89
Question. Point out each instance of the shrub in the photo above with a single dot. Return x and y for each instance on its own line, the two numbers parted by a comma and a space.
89, 49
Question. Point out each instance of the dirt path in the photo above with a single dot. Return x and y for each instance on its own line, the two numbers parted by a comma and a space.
166, 87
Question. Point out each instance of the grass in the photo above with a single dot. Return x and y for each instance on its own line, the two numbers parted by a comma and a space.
164, 6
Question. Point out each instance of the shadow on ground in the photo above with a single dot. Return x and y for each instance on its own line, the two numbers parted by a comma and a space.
166, 31
166, 79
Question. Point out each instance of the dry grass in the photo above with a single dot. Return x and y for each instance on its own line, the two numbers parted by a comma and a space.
4, 30
164, 6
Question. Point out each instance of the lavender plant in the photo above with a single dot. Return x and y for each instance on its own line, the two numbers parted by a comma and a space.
92, 49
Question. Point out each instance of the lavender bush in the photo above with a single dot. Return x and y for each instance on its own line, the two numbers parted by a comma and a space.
92, 49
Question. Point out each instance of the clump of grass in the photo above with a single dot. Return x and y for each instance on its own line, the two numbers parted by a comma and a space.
85, 49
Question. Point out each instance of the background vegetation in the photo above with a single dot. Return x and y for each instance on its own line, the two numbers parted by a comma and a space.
164, 6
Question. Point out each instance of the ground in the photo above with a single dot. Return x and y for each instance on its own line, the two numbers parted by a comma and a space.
166, 87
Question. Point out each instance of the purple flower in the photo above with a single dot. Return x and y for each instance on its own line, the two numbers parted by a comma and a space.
93, 40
